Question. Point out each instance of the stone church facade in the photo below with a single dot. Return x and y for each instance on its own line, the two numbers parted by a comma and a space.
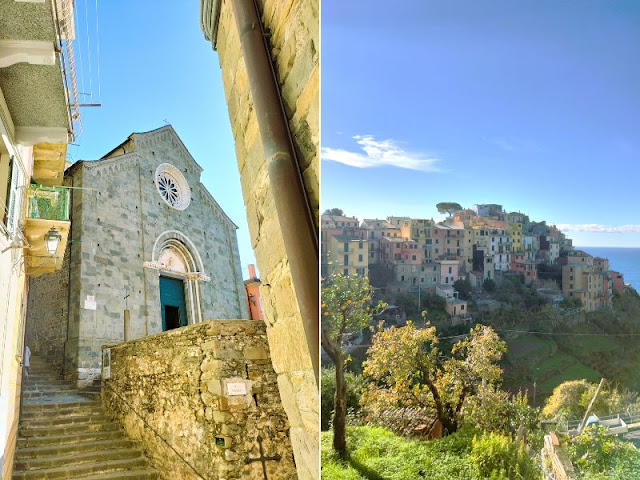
150, 250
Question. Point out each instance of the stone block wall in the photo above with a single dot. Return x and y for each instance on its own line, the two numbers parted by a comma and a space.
294, 39
47, 313
187, 384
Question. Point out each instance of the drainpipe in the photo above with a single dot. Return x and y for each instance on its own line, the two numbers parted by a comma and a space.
294, 214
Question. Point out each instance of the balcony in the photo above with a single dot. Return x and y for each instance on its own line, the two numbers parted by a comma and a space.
47, 207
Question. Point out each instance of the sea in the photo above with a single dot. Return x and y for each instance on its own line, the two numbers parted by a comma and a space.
623, 260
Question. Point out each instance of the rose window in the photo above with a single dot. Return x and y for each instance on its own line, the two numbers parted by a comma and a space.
173, 187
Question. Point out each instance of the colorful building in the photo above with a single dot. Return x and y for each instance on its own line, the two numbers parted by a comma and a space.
348, 256
38, 109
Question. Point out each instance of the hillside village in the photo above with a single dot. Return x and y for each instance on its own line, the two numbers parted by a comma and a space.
478, 244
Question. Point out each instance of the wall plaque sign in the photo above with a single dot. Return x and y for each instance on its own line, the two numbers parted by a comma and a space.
236, 388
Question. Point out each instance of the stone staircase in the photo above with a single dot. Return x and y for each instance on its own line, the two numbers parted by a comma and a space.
66, 435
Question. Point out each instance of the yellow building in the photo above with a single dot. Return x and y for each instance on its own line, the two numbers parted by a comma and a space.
585, 283
420, 230
514, 230
348, 256
36, 123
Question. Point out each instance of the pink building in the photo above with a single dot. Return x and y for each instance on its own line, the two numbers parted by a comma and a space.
449, 271
601, 263
520, 264
617, 281
448, 241
393, 250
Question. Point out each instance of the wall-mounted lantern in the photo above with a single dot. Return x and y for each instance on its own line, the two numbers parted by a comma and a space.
52, 240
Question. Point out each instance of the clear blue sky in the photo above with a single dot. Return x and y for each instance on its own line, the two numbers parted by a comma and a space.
534, 105
155, 67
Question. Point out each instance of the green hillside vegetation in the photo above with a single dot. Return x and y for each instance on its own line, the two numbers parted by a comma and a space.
375, 453
557, 354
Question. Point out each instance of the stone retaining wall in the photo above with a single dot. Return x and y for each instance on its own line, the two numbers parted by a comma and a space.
555, 458
189, 385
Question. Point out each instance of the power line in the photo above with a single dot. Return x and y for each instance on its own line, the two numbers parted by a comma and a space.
86, 19
98, 53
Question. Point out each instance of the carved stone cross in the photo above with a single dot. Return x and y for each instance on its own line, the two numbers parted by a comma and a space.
262, 458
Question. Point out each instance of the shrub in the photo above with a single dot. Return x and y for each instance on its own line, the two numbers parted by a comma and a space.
355, 384
489, 285
498, 457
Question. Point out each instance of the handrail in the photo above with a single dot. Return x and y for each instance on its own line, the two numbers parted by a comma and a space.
154, 430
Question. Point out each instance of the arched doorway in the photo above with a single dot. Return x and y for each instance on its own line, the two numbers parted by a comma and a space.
180, 272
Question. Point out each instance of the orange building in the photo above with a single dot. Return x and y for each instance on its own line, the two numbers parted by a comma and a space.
252, 295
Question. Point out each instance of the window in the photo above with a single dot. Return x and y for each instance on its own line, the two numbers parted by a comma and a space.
413, 257
346, 246
371, 255
360, 245
172, 186
346, 260
360, 257
345, 272
449, 269
7, 187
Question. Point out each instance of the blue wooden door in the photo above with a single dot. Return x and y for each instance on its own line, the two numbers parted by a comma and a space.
172, 303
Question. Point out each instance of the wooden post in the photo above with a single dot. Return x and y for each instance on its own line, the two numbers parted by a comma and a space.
126, 324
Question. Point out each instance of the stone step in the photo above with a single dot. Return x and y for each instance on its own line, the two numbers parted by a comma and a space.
128, 475
51, 440
47, 388
30, 411
37, 431
84, 409
76, 471
65, 420
42, 462
50, 393
85, 446
44, 377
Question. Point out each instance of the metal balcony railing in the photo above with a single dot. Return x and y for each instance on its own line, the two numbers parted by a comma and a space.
48, 203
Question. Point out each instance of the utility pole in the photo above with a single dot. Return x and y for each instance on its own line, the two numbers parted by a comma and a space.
586, 414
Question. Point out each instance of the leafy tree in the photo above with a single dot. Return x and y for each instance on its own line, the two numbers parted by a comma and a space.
489, 285
336, 212
409, 370
463, 287
448, 207
570, 400
345, 308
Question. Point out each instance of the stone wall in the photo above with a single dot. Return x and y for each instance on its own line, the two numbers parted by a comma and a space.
555, 458
47, 313
181, 383
294, 38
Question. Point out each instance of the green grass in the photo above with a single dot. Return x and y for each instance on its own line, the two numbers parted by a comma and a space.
577, 371
375, 454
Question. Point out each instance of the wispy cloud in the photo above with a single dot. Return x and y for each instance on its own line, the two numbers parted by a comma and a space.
595, 227
376, 153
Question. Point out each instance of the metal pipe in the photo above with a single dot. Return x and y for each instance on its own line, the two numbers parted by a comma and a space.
291, 200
